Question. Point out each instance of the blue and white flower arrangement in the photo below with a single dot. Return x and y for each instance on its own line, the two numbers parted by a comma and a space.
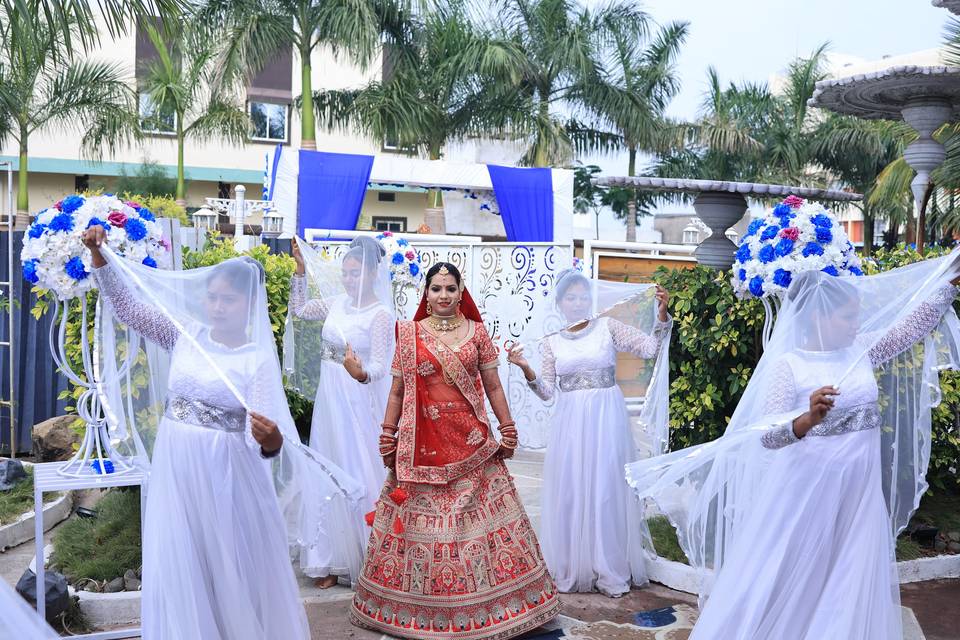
404, 261
54, 257
794, 237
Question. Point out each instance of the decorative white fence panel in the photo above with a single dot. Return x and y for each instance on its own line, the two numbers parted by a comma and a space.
506, 280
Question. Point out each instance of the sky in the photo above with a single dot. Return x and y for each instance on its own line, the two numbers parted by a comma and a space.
754, 39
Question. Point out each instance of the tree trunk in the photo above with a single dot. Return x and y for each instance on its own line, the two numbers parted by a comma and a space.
541, 158
922, 217
23, 193
632, 203
181, 193
433, 216
868, 221
308, 134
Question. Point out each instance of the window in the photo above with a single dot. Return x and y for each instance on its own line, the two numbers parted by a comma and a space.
155, 120
386, 197
81, 183
223, 190
397, 225
269, 121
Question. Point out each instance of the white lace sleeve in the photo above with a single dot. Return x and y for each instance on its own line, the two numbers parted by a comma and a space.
545, 384
781, 396
382, 331
632, 340
257, 392
315, 309
139, 316
915, 326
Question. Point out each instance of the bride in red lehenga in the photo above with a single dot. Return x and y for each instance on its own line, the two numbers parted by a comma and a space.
452, 553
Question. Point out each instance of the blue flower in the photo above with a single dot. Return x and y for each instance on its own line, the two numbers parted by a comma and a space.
856, 271
62, 222
71, 204
150, 262
753, 228
97, 221
782, 278
402, 242
767, 254
824, 235
75, 268
397, 258
822, 220
782, 210
785, 220
812, 249
136, 230
742, 274
743, 253
146, 214
36, 230
756, 286
770, 232
107, 466
30, 271
414, 269
831, 270
784, 247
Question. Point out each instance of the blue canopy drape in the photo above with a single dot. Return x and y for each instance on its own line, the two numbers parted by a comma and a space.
525, 198
330, 189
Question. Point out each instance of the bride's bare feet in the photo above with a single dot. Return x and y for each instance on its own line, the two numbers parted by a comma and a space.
325, 582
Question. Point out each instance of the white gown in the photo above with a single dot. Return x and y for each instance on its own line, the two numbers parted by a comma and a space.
590, 521
347, 414
816, 558
215, 559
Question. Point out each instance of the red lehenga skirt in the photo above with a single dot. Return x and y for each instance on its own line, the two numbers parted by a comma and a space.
453, 559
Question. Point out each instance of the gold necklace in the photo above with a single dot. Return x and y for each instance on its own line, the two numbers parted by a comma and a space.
445, 324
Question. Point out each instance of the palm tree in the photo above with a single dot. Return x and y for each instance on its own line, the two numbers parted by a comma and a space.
189, 95
443, 73
256, 30
70, 21
857, 152
630, 101
41, 89
563, 46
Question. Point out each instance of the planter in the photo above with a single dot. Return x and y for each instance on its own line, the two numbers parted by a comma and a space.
22, 529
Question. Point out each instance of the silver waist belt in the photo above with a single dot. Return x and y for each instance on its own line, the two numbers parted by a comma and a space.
589, 379
203, 414
858, 418
329, 351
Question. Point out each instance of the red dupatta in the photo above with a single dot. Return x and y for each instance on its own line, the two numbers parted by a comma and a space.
407, 470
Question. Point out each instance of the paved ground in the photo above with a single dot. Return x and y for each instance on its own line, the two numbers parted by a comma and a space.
664, 614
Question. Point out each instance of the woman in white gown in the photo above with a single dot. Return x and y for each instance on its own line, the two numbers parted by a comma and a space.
591, 527
797, 506
355, 306
216, 563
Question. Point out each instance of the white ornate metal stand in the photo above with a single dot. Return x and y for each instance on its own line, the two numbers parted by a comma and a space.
771, 306
239, 209
95, 450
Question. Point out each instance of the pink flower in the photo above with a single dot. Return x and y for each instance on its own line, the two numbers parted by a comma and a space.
793, 201
117, 218
388, 234
165, 244
133, 205
57, 205
790, 233
410, 255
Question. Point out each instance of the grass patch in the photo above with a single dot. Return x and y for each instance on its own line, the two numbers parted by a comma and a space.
18, 500
104, 547
665, 540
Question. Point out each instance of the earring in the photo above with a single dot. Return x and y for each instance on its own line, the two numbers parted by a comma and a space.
429, 309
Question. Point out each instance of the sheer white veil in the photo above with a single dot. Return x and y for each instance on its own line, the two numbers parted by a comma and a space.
18, 620
317, 498
708, 490
645, 383
354, 288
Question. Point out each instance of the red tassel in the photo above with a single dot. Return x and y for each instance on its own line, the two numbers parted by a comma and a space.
398, 526
369, 517
399, 496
